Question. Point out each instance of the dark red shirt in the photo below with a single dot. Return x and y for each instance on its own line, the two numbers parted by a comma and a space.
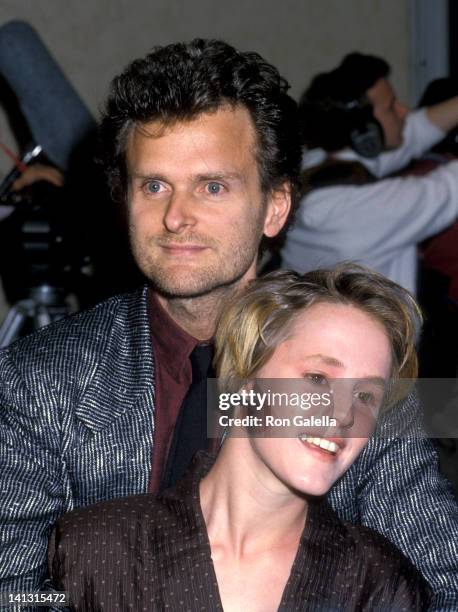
173, 376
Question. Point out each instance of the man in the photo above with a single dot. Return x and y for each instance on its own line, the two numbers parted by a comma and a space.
357, 132
201, 141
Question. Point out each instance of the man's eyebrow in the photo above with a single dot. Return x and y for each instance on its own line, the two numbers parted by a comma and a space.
219, 176
137, 174
197, 178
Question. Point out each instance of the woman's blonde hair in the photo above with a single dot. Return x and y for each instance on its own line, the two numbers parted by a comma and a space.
260, 318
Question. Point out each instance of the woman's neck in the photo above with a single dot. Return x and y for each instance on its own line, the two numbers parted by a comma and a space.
246, 508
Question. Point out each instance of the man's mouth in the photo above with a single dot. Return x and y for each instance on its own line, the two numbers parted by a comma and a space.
323, 444
182, 249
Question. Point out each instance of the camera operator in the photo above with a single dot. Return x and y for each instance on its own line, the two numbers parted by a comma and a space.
358, 133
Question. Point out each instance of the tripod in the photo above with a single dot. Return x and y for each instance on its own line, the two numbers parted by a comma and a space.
44, 305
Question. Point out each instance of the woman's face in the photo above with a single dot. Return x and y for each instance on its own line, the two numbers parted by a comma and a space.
333, 348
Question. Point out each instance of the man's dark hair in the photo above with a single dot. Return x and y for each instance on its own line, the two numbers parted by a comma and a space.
180, 81
326, 108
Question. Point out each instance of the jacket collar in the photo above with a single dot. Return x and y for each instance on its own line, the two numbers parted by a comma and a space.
123, 374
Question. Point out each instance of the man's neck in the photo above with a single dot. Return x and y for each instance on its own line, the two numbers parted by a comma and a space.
199, 316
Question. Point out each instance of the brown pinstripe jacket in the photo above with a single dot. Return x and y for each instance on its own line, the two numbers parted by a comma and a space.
146, 553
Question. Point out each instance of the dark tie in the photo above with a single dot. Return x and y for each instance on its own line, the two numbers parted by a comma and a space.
190, 433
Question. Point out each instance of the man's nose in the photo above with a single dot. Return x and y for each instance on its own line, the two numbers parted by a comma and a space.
180, 213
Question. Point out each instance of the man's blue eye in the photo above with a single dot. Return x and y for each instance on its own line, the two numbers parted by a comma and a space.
214, 188
154, 187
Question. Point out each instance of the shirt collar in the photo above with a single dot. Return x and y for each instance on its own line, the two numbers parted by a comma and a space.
172, 342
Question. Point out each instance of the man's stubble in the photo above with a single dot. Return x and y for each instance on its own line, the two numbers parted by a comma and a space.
221, 271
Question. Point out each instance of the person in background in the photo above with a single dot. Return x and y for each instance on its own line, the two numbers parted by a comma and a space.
439, 253
438, 295
355, 133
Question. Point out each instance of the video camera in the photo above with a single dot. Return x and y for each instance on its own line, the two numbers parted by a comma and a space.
42, 257
37, 243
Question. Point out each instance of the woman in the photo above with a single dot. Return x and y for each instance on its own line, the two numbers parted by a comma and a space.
250, 530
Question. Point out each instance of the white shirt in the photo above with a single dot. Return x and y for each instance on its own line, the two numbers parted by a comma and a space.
378, 224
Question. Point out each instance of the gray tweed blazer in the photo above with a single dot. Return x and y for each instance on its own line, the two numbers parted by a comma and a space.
77, 427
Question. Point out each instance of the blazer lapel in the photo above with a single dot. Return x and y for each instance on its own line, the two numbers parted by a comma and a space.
123, 379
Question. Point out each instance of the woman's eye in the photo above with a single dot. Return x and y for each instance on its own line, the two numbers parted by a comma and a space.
317, 379
369, 399
214, 188
154, 186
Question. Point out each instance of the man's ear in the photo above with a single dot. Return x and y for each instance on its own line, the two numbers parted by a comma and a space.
277, 209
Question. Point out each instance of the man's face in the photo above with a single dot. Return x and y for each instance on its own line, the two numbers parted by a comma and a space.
388, 111
196, 210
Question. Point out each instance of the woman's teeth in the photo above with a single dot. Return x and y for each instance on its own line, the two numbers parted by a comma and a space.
322, 443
